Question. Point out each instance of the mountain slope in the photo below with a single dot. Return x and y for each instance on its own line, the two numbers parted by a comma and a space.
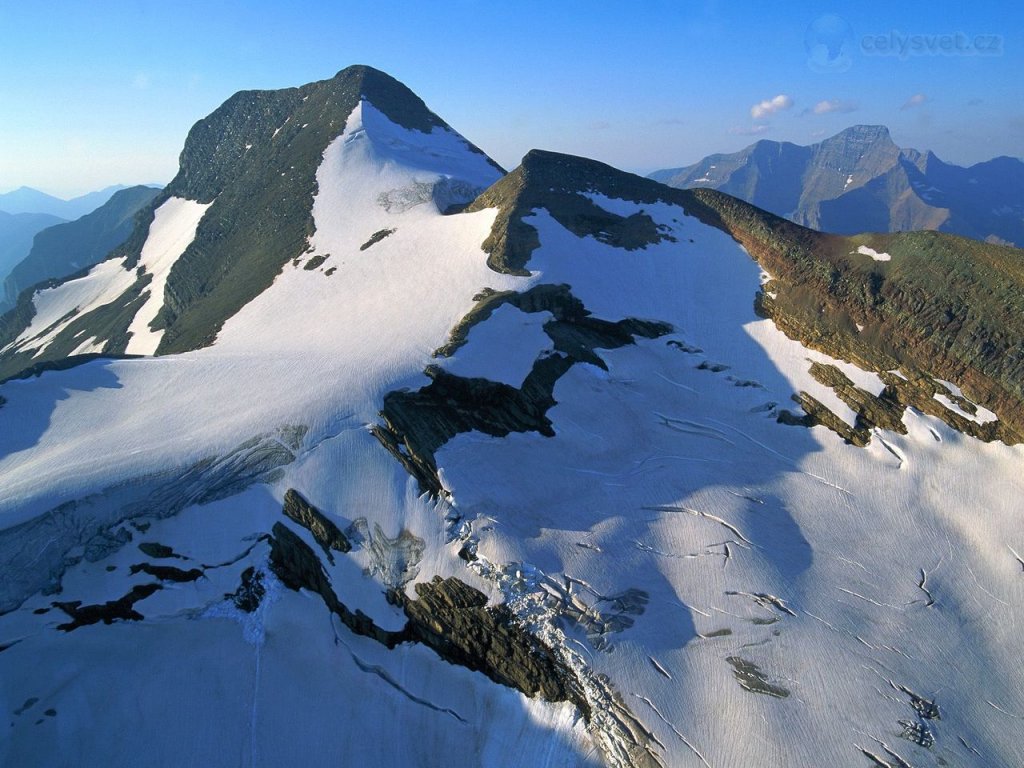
860, 181
63, 250
16, 233
514, 481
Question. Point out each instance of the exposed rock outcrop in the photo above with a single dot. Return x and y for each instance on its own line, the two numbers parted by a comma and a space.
121, 609
558, 183
453, 619
250, 591
167, 572
297, 566
326, 533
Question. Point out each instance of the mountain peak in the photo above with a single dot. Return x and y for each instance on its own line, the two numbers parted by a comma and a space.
867, 131
389, 95
255, 163
862, 134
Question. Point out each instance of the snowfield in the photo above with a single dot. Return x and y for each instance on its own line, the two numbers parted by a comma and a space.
755, 593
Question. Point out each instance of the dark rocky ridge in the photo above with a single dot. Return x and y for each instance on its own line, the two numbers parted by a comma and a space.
109, 322
250, 591
262, 196
298, 567
122, 609
453, 619
944, 306
166, 572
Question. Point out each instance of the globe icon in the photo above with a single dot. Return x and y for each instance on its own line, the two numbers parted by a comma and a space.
829, 44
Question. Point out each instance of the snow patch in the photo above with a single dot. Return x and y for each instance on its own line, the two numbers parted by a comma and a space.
983, 415
874, 254
504, 348
173, 229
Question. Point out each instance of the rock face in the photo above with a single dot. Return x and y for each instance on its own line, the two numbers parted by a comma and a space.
121, 609
255, 158
167, 572
648, 558
326, 533
453, 619
250, 591
557, 183
942, 306
295, 564
860, 181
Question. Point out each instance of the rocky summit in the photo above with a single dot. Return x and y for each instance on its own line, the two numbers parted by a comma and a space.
357, 448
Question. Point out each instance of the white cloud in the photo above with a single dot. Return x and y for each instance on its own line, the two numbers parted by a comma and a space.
834, 105
771, 106
914, 101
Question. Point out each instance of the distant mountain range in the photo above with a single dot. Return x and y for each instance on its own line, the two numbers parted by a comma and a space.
860, 181
29, 200
62, 250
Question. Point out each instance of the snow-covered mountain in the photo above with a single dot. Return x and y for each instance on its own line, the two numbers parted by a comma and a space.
389, 457
860, 181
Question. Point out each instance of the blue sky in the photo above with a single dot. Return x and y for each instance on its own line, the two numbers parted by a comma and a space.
95, 93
